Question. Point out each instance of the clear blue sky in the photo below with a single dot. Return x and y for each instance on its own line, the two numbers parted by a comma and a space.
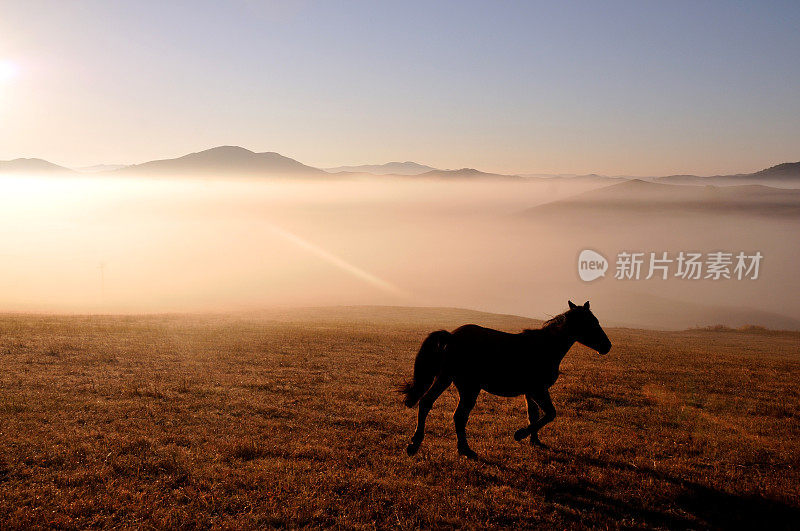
637, 88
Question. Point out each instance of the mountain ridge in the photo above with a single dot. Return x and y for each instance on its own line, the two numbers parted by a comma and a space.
390, 168
470, 173
640, 197
229, 158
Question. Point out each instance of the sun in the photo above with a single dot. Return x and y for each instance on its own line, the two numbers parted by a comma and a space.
8, 71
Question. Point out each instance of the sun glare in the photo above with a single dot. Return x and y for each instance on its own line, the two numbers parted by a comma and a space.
8, 71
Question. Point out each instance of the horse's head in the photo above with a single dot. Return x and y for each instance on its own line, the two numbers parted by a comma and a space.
586, 328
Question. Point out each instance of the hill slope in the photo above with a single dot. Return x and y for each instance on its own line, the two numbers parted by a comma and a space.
789, 170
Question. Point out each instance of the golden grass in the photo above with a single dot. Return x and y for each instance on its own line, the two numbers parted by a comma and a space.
288, 419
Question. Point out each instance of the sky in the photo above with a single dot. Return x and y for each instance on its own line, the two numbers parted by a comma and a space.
634, 88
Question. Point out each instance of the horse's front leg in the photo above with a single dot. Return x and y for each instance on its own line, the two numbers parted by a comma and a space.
533, 416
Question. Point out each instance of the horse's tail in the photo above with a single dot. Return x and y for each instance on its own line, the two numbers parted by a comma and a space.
427, 366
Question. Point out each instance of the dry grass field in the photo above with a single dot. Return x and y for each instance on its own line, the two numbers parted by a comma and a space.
289, 419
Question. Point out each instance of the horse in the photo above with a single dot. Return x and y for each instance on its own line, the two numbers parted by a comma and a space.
475, 358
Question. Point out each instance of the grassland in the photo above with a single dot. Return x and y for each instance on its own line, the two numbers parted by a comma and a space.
288, 419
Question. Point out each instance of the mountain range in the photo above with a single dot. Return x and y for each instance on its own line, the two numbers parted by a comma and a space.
240, 161
781, 173
465, 173
390, 168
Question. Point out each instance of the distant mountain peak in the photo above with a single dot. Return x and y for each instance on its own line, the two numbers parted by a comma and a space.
226, 160
31, 165
226, 149
220, 151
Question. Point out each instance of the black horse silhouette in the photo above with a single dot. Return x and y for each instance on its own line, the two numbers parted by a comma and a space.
477, 358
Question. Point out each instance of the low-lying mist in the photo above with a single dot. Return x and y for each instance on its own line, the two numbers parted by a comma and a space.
102, 244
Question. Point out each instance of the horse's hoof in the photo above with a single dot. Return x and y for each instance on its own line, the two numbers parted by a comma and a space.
468, 453
536, 442
412, 449
520, 434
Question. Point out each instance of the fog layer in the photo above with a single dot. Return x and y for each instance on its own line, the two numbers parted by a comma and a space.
116, 244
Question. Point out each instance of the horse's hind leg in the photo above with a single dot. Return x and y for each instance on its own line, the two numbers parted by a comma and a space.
546, 403
533, 416
466, 402
425, 404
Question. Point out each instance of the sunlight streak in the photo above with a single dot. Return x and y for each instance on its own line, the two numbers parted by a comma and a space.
334, 260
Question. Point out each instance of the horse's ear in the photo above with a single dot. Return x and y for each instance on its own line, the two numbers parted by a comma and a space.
586, 305
571, 305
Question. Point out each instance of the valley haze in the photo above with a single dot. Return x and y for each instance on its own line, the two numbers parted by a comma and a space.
228, 229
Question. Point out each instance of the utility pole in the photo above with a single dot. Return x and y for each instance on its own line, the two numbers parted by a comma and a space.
102, 268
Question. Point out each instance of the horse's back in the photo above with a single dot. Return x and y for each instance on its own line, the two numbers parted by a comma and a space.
494, 360
477, 333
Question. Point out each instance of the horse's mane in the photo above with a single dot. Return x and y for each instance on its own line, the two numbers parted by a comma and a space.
551, 324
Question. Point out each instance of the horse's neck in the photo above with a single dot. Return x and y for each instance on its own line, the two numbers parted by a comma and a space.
561, 342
